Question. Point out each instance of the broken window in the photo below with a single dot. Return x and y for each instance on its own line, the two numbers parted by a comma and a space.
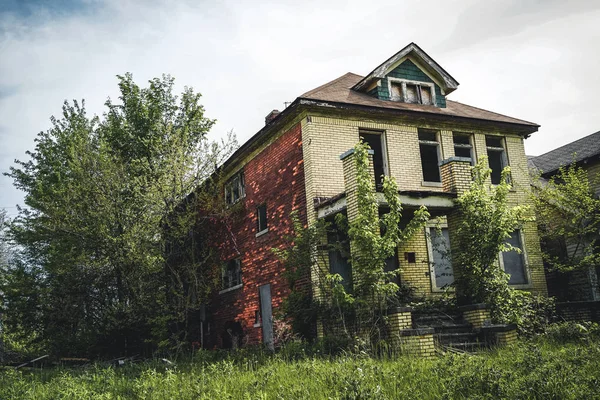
463, 146
261, 218
513, 262
375, 142
235, 188
412, 92
232, 273
496, 157
430, 157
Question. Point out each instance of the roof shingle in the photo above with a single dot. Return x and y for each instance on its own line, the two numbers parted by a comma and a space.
576, 151
339, 91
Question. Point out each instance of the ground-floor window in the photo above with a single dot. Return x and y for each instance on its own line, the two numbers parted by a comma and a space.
513, 262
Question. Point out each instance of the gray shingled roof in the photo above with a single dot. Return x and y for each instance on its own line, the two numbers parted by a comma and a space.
340, 91
578, 150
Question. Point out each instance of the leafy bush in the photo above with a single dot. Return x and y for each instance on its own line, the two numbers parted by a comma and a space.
532, 313
571, 331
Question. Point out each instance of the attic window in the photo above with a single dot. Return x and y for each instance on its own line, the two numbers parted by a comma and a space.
411, 91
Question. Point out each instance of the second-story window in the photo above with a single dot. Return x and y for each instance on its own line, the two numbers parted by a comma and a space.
430, 155
232, 274
235, 188
375, 140
261, 219
496, 157
463, 146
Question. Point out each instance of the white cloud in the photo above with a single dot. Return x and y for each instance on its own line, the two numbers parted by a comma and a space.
526, 59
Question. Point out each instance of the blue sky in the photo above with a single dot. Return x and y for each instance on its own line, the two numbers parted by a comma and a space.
530, 59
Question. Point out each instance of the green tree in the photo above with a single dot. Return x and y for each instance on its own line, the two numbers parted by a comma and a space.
485, 221
568, 217
99, 191
358, 307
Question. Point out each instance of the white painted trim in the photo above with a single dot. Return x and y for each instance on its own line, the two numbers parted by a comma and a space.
262, 232
229, 289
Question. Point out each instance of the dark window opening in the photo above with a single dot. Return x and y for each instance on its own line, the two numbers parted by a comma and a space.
261, 218
232, 274
463, 146
339, 253
497, 159
514, 263
429, 148
374, 142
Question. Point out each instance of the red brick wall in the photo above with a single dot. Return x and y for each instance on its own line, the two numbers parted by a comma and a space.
275, 177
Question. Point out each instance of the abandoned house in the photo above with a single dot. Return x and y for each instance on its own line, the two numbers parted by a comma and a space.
296, 163
578, 285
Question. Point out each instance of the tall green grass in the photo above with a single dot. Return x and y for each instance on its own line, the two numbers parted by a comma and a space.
540, 369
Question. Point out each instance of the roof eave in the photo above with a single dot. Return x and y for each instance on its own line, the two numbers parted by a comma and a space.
524, 129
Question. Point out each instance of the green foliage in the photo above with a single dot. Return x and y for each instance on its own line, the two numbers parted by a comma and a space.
538, 369
98, 193
573, 332
357, 307
532, 313
568, 216
485, 223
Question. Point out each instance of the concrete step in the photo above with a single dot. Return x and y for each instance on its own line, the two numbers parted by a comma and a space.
469, 347
453, 328
458, 337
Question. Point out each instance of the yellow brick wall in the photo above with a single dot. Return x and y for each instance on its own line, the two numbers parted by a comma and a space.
325, 138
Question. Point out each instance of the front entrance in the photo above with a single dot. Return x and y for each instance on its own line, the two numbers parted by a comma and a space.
266, 313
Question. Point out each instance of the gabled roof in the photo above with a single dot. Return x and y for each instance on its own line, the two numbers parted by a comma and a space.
576, 151
446, 82
340, 90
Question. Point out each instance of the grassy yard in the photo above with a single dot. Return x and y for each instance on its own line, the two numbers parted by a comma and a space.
541, 369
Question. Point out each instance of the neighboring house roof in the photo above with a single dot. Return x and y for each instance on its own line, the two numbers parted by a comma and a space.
340, 91
447, 82
576, 151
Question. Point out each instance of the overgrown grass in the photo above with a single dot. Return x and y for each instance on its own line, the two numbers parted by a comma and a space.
541, 368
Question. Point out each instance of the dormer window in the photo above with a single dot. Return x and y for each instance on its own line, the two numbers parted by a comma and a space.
411, 91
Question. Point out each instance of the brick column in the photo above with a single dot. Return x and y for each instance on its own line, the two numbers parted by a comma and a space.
350, 183
456, 178
477, 315
456, 174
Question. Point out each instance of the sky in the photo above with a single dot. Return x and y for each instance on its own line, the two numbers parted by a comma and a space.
530, 59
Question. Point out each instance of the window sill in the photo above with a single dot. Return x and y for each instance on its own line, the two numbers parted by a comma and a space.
262, 232
521, 286
230, 289
257, 325
431, 184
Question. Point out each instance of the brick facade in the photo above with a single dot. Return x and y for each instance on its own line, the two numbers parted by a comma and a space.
275, 177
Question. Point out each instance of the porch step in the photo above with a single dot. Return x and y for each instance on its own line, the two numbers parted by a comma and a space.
453, 328
436, 319
469, 347
457, 337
